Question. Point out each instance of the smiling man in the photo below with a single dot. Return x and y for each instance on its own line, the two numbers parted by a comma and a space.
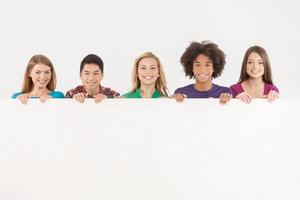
91, 74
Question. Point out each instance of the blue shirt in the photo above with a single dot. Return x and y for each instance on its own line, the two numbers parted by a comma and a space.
191, 92
53, 94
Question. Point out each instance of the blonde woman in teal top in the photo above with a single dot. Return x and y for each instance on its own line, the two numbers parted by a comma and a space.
148, 78
39, 81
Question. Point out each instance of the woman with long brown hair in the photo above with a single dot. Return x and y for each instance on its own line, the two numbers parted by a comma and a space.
39, 80
255, 78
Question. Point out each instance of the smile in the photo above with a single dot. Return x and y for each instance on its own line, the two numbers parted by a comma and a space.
255, 72
148, 77
42, 82
203, 75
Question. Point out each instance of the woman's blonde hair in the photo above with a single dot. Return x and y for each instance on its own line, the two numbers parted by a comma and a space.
160, 84
34, 60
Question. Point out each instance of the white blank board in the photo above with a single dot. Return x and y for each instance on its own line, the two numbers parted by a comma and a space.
149, 149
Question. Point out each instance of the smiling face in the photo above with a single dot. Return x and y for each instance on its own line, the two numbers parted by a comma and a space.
40, 75
148, 71
203, 69
91, 77
255, 66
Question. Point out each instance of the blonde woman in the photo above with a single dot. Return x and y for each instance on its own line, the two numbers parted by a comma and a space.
39, 81
148, 78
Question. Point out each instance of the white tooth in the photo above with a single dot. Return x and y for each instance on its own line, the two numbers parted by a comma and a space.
148, 77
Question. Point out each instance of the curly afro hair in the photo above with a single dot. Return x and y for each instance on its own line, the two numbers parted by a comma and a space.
208, 49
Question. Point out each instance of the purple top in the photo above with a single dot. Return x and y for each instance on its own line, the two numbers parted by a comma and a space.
237, 89
191, 92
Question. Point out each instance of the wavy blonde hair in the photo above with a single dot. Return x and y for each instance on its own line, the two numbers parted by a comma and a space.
34, 60
160, 84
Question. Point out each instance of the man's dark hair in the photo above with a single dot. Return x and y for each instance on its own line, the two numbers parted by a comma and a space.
92, 59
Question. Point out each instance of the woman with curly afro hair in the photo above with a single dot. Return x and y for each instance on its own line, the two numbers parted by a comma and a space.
203, 62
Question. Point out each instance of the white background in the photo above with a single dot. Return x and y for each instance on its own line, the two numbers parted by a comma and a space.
119, 31
148, 149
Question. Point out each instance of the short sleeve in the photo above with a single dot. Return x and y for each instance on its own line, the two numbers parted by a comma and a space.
15, 95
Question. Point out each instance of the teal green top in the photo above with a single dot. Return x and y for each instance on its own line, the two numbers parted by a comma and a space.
53, 94
137, 94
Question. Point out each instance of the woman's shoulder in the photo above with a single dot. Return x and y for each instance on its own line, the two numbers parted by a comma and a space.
269, 87
220, 87
237, 86
236, 89
15, 95
130, 95
184, 88
56, 94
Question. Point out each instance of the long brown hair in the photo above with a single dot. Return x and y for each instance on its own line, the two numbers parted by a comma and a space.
267, 76
160, 84
34, 60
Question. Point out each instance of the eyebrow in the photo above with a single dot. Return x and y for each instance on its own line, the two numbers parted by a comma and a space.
254, 60
199, 62
37, 70
90, 71
147, 65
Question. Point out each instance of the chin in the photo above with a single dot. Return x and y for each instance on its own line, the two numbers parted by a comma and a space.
145, 81
203, 81
149, 83
42, 86
256, 76
89, 87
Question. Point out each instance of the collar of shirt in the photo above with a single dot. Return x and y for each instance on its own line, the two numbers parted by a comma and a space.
155, 94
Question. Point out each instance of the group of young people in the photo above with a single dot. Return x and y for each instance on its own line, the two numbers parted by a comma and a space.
201, 61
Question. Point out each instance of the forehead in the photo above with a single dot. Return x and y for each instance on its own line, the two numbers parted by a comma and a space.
40, 67
91, 67
202, 58
148, 61
254, 56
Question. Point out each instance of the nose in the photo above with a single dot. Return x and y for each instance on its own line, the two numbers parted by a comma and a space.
90, 77
255, 66
148, 72
42, 76
202, 69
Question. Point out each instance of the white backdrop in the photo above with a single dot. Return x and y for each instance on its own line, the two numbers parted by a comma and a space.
154, 150
119, 31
